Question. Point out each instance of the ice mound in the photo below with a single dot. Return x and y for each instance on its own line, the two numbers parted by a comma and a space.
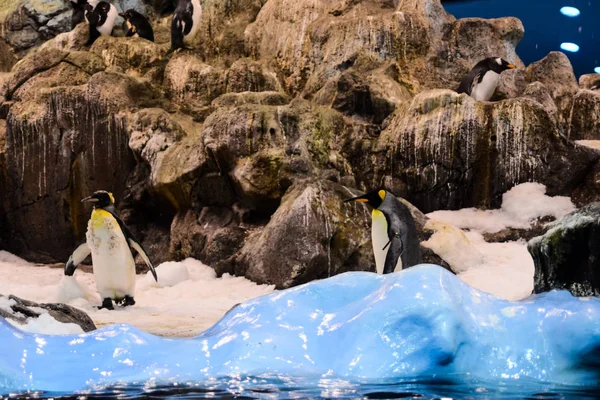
359, 326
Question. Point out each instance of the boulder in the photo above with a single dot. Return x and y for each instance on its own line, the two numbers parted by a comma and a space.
372, 95
246, 75
305, 38
312, 235
60, 146
567, 256
555, 71
588, 81
127, 53
265, 148
450, 151
75, 39
22, 311
470, 40
238, 99
188, 80
28, 23
585, 116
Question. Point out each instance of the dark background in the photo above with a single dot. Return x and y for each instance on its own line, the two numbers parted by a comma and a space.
545, 27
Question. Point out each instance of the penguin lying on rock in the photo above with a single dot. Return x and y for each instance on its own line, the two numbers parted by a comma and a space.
102, 20
109, 241
137, 25
185, 23
393, 232
481, 82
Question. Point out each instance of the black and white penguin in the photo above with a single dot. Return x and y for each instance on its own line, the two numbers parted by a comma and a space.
483, 79
393, 232
185, 23
109, 241
102, 20
137, 25
79, 11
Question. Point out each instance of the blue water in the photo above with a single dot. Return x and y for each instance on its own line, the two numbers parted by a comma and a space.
420, 333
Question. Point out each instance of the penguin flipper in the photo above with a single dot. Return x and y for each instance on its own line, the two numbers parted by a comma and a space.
77, 258
138, 247
176, 34
393, 254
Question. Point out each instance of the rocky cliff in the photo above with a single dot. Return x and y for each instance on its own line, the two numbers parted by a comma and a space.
240, 151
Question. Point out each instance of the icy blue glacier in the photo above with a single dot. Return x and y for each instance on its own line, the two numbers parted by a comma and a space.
355, 327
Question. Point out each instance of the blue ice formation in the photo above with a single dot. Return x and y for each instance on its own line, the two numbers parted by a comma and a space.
420, 322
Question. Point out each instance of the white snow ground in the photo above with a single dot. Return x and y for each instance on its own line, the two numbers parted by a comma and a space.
190, 299
503, 269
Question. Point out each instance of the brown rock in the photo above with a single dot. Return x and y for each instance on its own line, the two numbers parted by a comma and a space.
188, 80
453, 152
585, 116
555, 71
312, 235
23, 310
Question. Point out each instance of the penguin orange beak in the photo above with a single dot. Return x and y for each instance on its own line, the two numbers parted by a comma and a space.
360, 199
89, 199
122, 15
511, 66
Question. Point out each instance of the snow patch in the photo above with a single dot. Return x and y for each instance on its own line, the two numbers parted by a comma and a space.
46, 324
504, 269
521, 205
185, 309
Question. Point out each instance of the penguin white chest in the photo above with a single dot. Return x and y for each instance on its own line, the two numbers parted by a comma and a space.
484, 90
379, 237
107, 27
114, 267
196, 15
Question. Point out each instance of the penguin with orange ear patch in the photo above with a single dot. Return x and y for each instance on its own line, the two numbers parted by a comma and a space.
393, 231
109, 241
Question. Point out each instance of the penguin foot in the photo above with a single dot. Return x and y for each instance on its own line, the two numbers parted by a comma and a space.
129, 301
107, 303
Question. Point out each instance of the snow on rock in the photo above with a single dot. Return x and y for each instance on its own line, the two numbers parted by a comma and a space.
452, 245
520, 207
417, 323
47, 325
504, 269
169, 273
190, 300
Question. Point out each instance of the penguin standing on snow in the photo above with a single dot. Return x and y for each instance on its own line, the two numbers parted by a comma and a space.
109, 241
102, 20
137, 25
483, 79
393, 232
185, 23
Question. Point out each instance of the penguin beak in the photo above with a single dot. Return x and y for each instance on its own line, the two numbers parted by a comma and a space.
360, 199
511, 66
89, 199
122, 15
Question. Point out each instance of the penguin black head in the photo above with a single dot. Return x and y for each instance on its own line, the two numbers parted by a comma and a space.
102, 8
101, 199
374, 198
498, 64
128, 15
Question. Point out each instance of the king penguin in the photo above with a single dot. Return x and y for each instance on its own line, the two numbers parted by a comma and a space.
482, 81
185, 23
102, 20
393, 232
109, 241
137, 25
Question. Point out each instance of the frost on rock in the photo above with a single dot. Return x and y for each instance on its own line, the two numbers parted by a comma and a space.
420, 322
